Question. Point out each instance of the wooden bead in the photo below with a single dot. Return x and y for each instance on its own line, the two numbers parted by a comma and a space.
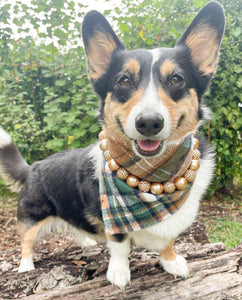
196, 154
156, 188
144, 186
132, 181
122, 174
113, 165
180, 183
169, 187
102, 135
103, 145
190, 175
195, 143
194, 165
107, 156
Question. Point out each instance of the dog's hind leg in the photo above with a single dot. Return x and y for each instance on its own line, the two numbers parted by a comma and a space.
173, 263
29, 235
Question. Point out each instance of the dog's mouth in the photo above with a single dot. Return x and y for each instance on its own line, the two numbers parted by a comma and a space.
149, 147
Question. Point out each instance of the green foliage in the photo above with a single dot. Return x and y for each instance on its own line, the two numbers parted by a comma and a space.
224, 99
47, 103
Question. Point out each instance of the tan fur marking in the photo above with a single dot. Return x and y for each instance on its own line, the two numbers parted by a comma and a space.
120, 110
126, 107
203, 44
13, 185
186, 107
100, 49
29, 236
111, 238
132, 66
167, 68
97, 223
169, 254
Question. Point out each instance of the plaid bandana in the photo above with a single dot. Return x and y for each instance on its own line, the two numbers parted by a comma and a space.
172, 163
126, 209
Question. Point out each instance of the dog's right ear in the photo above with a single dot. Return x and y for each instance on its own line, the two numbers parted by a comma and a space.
100, 43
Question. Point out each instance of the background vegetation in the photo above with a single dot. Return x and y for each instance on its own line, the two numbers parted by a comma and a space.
47, 103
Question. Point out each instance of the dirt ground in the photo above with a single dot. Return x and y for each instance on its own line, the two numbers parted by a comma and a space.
60, 262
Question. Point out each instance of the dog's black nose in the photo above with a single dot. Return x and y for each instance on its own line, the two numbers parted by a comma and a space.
149, 124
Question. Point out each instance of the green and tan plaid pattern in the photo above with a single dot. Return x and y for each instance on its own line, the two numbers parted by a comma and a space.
126, 209
172, 163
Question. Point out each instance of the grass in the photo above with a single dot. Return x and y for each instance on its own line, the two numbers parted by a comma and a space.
225, 231
224, 224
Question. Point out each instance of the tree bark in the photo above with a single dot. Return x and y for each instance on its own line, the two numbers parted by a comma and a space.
215, 274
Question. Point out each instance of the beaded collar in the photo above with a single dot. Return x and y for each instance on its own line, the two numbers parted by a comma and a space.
131, 203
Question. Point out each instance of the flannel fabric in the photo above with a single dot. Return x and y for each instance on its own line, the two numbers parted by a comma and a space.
126, 209
172, 163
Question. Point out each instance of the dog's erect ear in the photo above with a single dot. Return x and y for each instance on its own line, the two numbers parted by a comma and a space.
203, 37
100, 42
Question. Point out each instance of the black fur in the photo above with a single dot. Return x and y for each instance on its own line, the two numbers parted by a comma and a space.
62, 185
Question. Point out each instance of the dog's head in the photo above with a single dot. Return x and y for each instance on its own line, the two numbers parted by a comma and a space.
152, 97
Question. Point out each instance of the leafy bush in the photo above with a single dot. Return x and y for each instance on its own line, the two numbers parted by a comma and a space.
224, 100
47, 103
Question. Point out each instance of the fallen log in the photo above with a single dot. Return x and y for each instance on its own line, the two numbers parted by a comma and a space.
215, 274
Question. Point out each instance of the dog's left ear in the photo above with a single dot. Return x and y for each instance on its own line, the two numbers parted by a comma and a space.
100, 43
203, 37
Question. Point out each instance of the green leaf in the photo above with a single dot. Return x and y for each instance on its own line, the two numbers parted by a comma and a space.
79, 132
236, 31
60, 82
239, 82
76, 144
124, 28
94, 128
69, 118
55, 143
92, 113
238, 69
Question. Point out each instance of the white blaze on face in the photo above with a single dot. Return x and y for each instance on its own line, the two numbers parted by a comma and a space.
149, 102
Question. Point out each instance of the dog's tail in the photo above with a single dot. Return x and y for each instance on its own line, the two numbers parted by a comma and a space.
13, 168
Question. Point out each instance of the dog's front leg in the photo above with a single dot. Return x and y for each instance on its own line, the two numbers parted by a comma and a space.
118, 269
173, 263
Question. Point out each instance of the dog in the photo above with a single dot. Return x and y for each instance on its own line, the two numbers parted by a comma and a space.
151, 107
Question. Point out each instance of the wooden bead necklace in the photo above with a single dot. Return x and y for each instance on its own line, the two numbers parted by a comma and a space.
156, 188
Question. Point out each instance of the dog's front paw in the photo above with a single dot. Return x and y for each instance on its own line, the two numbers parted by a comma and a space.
26, 265
119, 274
177, 267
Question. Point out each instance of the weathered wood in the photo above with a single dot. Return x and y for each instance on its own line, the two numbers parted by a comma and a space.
214, 274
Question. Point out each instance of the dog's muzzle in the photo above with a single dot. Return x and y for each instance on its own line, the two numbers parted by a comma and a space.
149, 125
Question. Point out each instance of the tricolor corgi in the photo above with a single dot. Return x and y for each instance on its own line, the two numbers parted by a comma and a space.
142, 183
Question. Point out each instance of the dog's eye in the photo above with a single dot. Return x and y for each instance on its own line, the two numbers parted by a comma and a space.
124, 81
176, 80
